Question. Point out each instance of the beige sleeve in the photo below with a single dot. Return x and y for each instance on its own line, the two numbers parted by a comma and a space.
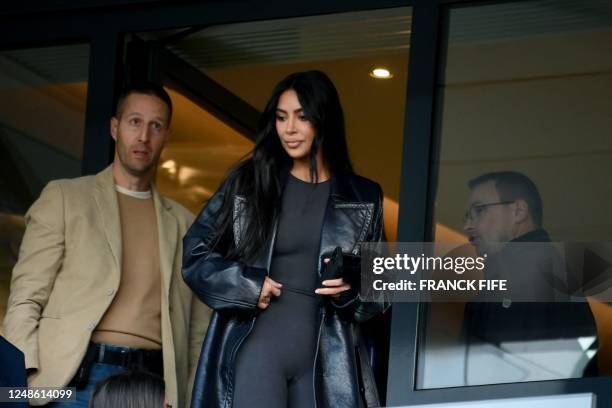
40, 258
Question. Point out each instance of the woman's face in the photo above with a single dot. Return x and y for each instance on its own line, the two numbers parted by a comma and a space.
295, 131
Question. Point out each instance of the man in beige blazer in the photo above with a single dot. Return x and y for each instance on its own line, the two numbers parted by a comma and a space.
98, 289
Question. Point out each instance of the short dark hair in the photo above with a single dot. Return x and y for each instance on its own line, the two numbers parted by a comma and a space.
146, 88
512, 185
133, 389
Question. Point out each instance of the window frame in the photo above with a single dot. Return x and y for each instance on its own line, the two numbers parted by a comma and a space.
105, 26
416, 222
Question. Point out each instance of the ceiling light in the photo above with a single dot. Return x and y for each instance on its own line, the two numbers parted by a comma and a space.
381, 73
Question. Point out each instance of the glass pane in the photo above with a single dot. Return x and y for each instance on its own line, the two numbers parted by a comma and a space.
200, 150
526, 89
248, 59
42, 121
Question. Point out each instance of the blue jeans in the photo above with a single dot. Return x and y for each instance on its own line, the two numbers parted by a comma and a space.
98, 373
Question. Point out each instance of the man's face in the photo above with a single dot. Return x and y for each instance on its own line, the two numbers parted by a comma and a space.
140, 133
485, 224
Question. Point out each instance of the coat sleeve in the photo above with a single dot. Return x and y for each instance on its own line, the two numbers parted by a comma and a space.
222, 284
40, 258
351, 305
200, 317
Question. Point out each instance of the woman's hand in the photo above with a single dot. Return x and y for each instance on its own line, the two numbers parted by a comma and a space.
270, 288
333, 287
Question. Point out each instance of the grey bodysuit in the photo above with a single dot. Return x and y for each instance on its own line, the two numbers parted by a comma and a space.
274, 366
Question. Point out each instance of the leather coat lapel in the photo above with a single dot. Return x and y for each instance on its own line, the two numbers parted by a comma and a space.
108, 208
167, 231
347, 218
239, 226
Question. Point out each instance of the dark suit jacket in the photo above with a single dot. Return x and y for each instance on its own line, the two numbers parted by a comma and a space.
495, 323
13, 372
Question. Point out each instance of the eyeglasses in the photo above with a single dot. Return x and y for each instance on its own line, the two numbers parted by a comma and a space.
476, 210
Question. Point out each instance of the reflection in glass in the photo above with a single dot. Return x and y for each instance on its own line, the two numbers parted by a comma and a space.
42, 121
199, 152
525, 89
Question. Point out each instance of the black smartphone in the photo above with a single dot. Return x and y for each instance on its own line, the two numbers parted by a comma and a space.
342, 265
351, 269
333, 269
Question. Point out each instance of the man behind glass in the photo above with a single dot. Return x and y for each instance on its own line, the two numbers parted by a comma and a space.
505, 207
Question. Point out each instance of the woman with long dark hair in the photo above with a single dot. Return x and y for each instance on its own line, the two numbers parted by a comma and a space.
285, 331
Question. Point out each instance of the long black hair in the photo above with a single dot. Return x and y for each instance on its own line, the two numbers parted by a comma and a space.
260, 178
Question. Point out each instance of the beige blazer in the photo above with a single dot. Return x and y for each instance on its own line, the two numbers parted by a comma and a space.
68, 274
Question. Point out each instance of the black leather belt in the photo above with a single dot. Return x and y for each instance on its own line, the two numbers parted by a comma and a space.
140, 359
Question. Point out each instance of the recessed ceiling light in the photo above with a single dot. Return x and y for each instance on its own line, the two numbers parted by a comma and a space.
381, 73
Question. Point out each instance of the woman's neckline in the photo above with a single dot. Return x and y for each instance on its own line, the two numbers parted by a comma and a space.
307, 182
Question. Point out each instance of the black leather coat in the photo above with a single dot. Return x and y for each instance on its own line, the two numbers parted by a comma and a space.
342, 377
